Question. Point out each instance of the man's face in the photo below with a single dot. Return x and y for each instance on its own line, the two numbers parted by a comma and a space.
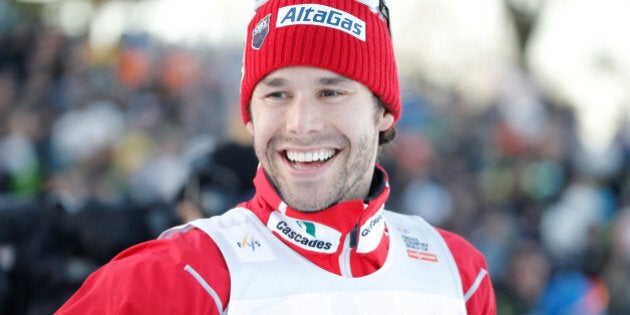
316, 135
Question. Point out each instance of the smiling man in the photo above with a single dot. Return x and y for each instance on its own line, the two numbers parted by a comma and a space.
316, 135
319, 95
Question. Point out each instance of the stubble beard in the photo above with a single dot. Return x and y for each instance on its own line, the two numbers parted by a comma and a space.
351, 182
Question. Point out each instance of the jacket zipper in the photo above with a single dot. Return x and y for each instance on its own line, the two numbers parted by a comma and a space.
344, 259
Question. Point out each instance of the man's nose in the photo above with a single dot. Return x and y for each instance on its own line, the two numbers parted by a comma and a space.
304, 116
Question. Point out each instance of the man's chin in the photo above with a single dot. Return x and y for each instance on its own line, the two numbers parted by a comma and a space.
307, 201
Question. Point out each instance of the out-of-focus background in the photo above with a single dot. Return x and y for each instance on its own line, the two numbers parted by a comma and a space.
119, 118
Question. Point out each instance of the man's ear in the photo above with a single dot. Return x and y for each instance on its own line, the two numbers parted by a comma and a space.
250, 127
386, 122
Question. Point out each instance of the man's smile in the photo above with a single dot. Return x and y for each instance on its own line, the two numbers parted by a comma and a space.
310, 158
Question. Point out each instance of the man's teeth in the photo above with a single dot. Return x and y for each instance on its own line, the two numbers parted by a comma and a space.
321, 155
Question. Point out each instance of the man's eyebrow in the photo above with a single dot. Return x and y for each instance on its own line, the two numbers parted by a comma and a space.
274, 82
333, 80
279, 81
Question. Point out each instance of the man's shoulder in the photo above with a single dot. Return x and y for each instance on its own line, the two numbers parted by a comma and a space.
462, 250
470, 261
465, 254
473, 270
180, 246
460, 247
156, 276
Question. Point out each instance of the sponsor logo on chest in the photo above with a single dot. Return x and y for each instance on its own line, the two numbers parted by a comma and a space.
248, 244
417, 249
321, 15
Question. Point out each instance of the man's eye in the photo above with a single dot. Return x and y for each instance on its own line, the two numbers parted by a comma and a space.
277, 94
330, 93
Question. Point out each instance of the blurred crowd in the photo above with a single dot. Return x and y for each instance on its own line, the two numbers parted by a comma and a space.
100, 150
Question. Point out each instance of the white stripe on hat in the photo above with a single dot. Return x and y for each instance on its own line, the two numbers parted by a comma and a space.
259, 3
372, 4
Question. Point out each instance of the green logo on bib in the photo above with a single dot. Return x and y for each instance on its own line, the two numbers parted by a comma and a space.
309, 227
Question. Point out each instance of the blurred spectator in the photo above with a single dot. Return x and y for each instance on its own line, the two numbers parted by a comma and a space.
497, 237
19, 161
521, 287
617, 272
48, 250
81, 133
420, 194
566, 225
159, 177
572, 292
218, 180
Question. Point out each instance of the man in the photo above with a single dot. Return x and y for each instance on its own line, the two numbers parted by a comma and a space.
319, 93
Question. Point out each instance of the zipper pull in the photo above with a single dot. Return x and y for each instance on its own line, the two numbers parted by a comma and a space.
354, 236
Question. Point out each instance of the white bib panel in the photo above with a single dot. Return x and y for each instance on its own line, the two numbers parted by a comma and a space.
267, 277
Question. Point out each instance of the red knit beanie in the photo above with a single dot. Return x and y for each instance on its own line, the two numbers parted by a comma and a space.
343, 36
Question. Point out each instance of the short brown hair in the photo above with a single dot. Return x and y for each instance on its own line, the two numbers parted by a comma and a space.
387, 136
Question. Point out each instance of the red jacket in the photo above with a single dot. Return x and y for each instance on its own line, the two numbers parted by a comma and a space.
150, 278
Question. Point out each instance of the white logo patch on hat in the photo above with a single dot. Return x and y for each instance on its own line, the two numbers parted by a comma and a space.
321, 15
